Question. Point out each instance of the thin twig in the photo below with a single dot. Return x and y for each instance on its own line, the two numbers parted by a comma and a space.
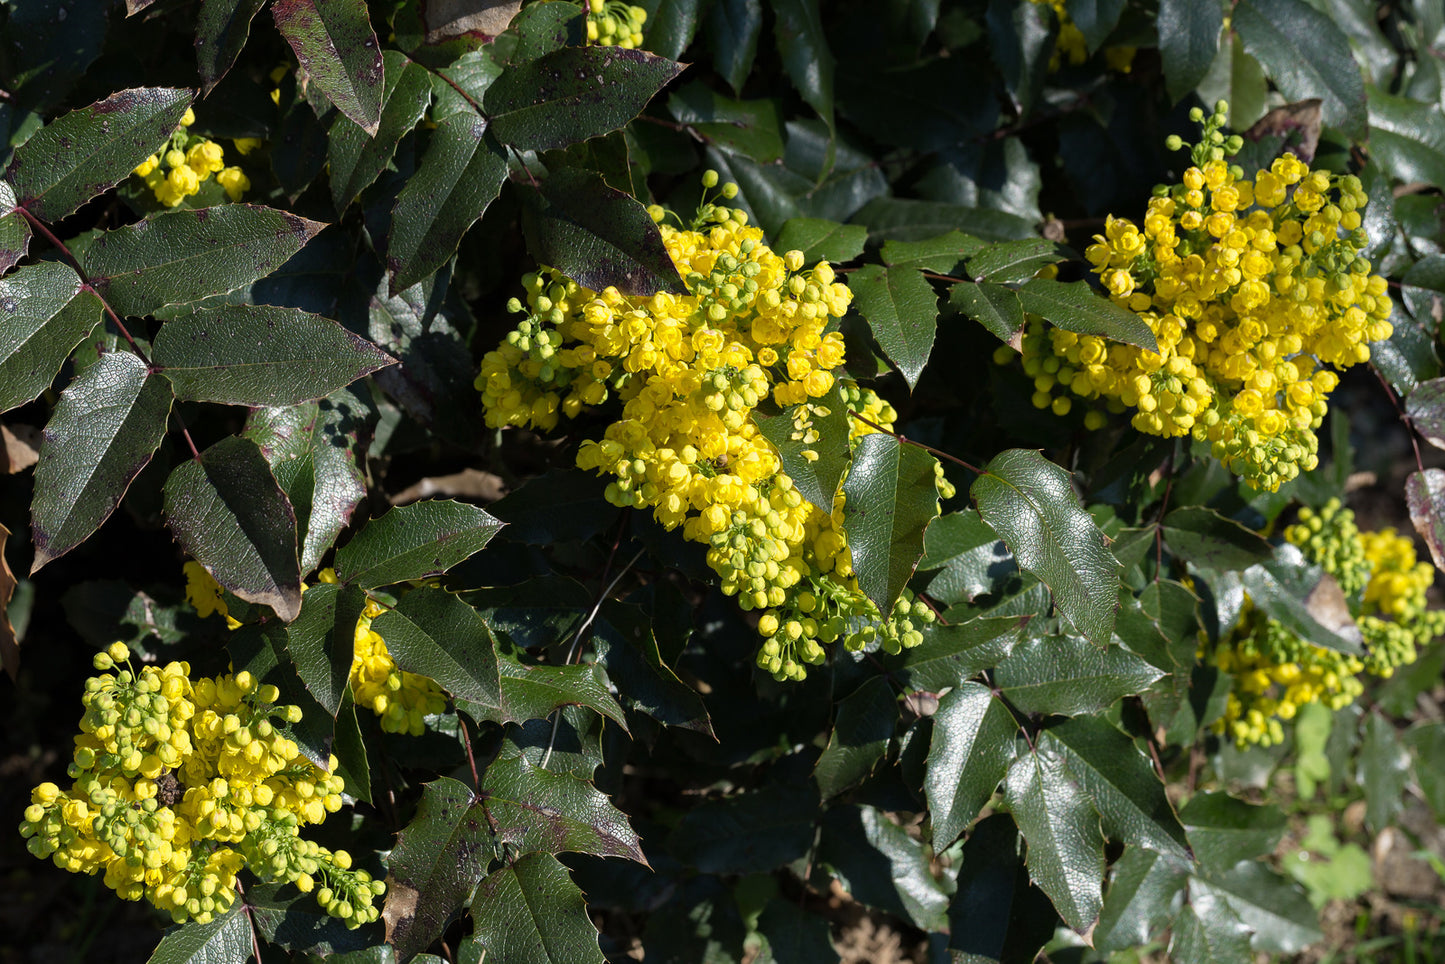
522, 161
576, 647
246, 909
908, 441
471, 758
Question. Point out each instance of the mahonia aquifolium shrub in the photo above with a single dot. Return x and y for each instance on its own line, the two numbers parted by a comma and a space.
401, 700
179, 784
1275, 672
1255, 290
188, 161
689, 372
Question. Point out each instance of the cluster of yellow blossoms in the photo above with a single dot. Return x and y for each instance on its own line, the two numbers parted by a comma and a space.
179, 784
689, 371
1275, 672
1254, 290
402, 700
614, 23
1070, 44
190, 159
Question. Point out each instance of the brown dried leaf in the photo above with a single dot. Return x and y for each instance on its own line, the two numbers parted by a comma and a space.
19, 448
466, 484
9, 646
1297, 123
484, 19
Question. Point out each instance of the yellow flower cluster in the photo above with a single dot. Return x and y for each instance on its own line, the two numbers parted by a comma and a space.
402, 700
1276, 672
1254, 289
689, 371
615, 23
179, 784
189, 160
1070, 44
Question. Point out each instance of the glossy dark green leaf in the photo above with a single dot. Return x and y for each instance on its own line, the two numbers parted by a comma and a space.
1205, 538
222, 27
1188, 41
951, 654
1224, 830
460, 87
537, 810
107, 425
225, 940
531, 692
1304, 599
298, 151
1425, 497
356, 157
183, 256
862, 729
804, 428
972, 745
1030, 503
1014, 262
879, 864
414, 541
438, 859
906, 219
972, 557
315, 452
1407, 138
1021, 38
997, 915
821, 240
752, 832
733, 28
557, 506
943, 254
1306, 55
1208, 931
1061, 828
597, 236
803, 45
1426, 741
890, 501
628, 648
1069, 676
540, 30
321, 640
89, 151
530, 912
1119, 778
49, 45
1074, 306
1408, 357
902, 310
572, 94
46, 315
460, 175
259, 355
433, 633
228, 513
335, 45
297, 923
750, 127
671, 27
1095, 19
1384, 770
794, 935
995, 307
14, 230
1423, 287
1139, 899
1275, 907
